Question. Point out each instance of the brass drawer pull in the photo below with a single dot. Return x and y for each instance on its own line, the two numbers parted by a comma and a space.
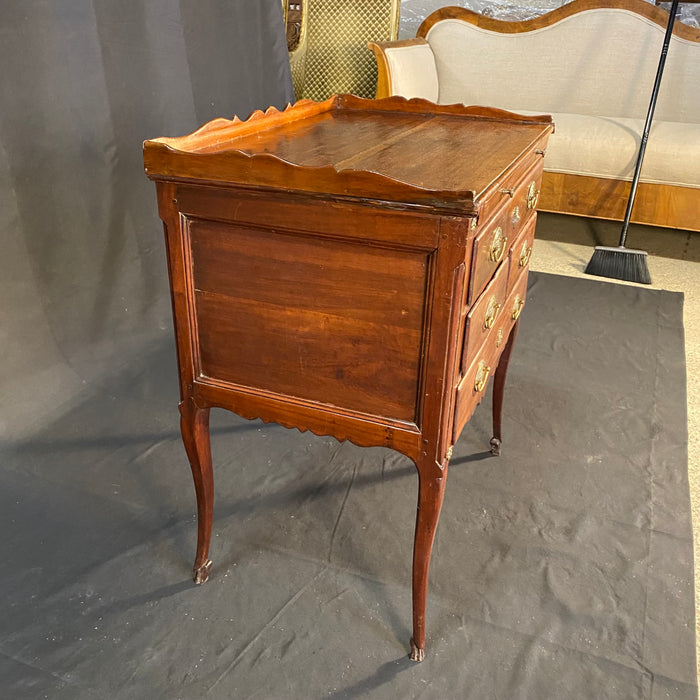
517, 307
533, 194
498, 245
491, 313
510, 191
525, 254
482, 376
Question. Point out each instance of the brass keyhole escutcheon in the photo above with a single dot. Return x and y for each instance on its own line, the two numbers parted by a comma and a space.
482, 376
533, 195
515, 218
498, 245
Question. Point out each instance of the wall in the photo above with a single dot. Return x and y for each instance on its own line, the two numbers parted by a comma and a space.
83, 278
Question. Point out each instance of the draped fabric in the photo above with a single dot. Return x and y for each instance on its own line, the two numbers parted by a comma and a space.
83, 83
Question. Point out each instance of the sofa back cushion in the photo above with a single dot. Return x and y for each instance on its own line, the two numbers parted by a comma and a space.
601, 61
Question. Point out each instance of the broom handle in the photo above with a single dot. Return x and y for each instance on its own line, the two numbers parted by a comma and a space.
647, 125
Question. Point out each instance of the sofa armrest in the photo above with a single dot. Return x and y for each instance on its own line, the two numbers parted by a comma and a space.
406, 68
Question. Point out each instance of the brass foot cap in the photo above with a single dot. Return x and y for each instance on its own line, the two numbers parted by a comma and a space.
202, 573
417, 654
495, 446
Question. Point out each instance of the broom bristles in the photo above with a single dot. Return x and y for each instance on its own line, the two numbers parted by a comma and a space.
619, 263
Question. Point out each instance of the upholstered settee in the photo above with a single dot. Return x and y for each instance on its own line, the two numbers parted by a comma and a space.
592, 65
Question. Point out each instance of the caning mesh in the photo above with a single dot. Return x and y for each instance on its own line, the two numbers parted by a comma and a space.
332, 56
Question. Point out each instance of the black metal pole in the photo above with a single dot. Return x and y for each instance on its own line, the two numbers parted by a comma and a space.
647, 125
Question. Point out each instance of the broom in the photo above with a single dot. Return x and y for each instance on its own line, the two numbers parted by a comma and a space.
623, 263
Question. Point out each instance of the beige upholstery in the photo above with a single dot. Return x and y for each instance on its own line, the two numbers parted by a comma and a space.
413, 72
600, 62
607, 147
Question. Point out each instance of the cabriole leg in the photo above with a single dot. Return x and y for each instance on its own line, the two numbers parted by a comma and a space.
431, 490
194, 425
499, 382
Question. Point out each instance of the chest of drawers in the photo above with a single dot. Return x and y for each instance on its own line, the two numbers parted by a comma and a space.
355, 268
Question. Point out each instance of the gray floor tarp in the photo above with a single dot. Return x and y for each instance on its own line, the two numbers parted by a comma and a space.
562, 568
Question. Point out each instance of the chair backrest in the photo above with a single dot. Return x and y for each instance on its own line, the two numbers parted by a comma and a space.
408, 69
595, 57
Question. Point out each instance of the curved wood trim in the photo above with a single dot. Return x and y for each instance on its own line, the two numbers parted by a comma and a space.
208, 137
416, 41
198, 155
667, 206
639, 7
361, 429
220, 130
384, 86
395, 20
419, 105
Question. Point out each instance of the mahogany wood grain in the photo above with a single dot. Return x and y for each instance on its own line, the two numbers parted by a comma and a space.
499, 383
668, 206
274, 300
341, 218
194, 425
431, 492
320, 261
316, 146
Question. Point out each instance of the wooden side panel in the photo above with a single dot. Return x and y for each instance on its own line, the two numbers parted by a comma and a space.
285, 212
314, 318
669, 206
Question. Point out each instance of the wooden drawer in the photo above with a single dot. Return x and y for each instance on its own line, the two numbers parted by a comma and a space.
525, 198
473, 385
521, 208
504, 187
505, 226
514, 303
484, 315
520, 252
490, 248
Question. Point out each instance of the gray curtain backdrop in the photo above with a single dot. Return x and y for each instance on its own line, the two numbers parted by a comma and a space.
83, 281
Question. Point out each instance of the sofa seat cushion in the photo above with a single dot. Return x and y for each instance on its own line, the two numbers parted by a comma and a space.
607, 147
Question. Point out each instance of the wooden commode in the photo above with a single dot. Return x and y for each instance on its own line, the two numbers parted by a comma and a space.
355, 268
